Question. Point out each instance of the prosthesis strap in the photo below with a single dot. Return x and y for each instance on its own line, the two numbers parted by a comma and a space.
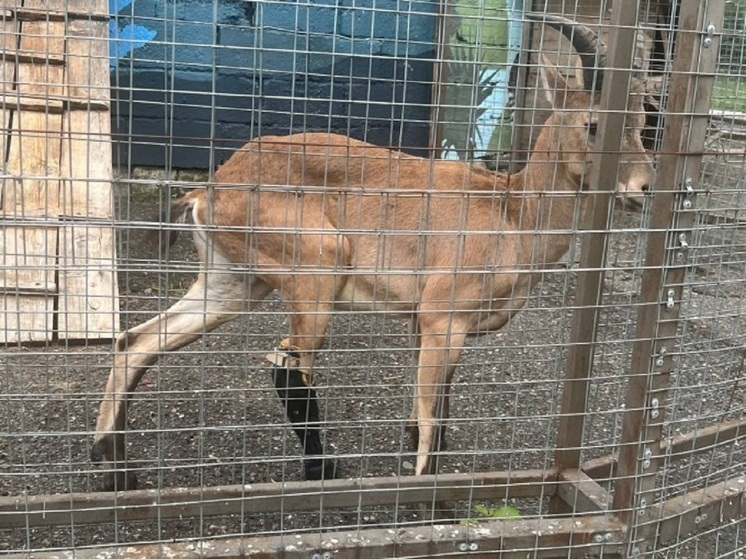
288, 357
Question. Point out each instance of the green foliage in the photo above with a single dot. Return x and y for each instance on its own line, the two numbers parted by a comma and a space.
477, 48
485, 23
505, 512
733, 43
486, 512
729, 94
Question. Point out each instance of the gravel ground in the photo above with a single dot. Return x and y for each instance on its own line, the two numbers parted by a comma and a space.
208, 415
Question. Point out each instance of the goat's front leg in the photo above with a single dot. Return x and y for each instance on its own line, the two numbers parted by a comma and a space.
301, 406
215, 298
293, 364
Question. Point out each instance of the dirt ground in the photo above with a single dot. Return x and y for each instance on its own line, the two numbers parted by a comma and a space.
208, 415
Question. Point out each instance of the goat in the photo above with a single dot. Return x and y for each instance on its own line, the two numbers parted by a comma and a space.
335, 223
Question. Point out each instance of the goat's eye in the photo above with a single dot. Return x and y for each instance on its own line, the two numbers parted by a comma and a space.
592, 127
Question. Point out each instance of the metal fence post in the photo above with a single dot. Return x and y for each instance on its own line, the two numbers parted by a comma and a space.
687, 113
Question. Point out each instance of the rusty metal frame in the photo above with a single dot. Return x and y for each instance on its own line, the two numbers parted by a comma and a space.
606, 497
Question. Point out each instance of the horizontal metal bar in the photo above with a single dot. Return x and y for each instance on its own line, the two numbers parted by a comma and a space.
678, 447
94, 508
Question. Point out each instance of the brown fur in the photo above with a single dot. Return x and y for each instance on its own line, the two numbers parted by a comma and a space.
331, 222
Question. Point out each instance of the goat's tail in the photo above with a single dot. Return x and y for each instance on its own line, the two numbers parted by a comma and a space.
165, 237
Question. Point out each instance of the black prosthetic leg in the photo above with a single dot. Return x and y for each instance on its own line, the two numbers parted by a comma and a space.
302, 410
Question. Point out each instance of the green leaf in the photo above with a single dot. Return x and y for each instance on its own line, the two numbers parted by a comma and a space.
505, 512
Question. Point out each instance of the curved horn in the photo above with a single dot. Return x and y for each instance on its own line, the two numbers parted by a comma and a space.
589, 47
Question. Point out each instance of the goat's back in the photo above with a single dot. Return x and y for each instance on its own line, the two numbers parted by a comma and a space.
337, 162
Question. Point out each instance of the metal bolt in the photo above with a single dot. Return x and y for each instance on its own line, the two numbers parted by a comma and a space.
598, 538
463, 546
646, 462
607, 536
663, 351
682, 241
710, 32
473, 546
643, 503
687, 204
326, 555
670, 302
635, 552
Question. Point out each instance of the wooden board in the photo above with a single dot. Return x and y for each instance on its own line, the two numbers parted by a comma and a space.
57, 250
8, 43
27, 283
538, 538
94, 10
88, 294
147, 505
32, 198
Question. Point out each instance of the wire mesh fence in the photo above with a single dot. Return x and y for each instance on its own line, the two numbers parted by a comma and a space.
606, 418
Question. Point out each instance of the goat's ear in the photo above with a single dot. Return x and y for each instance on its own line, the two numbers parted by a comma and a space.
553, 84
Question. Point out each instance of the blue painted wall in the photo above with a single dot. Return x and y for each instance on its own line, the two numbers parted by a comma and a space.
194, 79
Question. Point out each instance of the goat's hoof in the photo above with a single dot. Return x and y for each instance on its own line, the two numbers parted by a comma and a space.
119, 480
320, 468
98, 451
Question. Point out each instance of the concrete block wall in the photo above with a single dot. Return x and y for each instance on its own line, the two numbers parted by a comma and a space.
194, 79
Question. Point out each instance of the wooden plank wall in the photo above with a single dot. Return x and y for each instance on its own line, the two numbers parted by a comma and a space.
88, 301
57, 277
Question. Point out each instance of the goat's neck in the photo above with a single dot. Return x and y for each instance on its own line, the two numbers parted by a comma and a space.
549, 188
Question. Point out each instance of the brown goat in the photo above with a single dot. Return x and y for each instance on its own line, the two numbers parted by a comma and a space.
335, 223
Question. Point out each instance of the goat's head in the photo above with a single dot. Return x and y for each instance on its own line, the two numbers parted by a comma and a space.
573, 124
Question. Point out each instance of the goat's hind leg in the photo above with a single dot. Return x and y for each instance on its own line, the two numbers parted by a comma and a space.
215, 298
441, 344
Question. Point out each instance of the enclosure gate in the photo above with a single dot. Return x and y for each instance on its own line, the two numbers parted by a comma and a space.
611, 506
